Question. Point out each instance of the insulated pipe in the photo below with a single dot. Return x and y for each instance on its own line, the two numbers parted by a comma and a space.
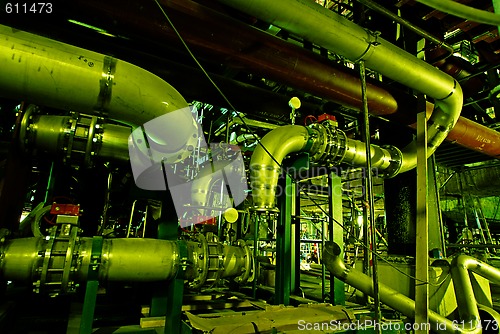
220, 35
464, 11
324, 143
476, 136
390, 297
122, 259
74, 136
62, 76
417, 30
264, 170
460, 268
336, 33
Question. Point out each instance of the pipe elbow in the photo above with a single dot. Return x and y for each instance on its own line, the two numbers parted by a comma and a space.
444, 117
462, 261
81, 80
265, 164
333, 261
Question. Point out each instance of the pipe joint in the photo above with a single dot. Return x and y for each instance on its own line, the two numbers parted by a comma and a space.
395, 161
329, 145
371, 41
76, 137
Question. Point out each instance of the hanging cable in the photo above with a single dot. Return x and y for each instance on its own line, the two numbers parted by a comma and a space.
259, 141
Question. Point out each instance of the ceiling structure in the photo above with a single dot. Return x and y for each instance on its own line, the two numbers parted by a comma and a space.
259, 67
256, 69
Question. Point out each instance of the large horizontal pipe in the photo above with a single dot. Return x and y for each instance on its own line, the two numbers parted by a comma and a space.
410, 26
62, 76
128, 260
336, 33
212, 33
476, 137
219, 35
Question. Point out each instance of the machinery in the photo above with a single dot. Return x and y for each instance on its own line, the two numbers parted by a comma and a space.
325, 166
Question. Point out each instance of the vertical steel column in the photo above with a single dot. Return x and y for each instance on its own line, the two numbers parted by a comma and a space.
175, 290
336, 233
167, 296
369, 191
366, 243
296, 250
422, 230
462, 200
256, 252
437, 227
87, 318
283, 242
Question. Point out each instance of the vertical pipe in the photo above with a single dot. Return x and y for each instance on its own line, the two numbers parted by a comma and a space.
462, 200
422, 232
435, 189
256, 252
131, 219
366, 242
369, 191
104, 216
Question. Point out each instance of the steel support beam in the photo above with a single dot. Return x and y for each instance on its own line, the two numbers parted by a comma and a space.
283, 242
422, 230
336, 233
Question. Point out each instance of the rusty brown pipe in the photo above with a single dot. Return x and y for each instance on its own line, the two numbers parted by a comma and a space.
241, 46
219, 36
468, 134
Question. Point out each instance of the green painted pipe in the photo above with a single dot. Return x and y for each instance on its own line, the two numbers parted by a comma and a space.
334, 32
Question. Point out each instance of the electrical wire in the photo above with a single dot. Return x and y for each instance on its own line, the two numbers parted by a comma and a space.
191, 54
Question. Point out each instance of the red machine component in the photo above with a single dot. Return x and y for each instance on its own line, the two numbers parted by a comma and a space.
205, 220
326, 117
65, 209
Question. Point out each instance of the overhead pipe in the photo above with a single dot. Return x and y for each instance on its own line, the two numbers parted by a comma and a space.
63, 76
475, 136
217, 34
417, 30
77, 137
326, 144
392, 298
336, 33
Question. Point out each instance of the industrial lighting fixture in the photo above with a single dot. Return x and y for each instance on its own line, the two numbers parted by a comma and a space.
99, 30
